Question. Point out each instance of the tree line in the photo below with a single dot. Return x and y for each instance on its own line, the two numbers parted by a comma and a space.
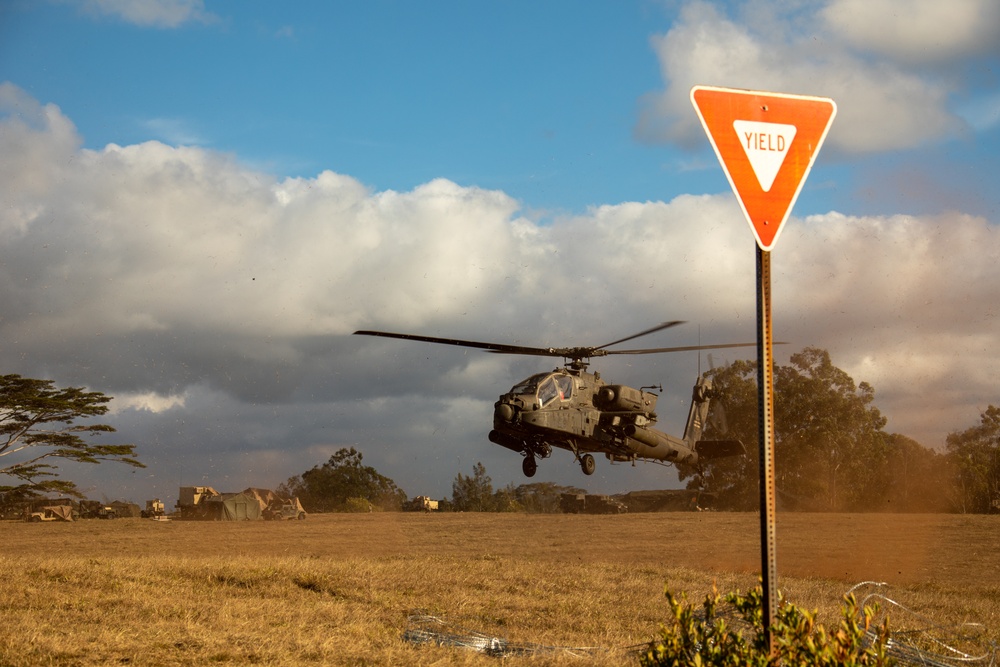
831, 447
344, 484
832, 451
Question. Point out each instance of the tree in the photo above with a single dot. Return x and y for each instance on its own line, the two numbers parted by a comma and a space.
37, 426
329, 487
975, 455
473, 494
831, 451
505, 500
921, 479
832, 445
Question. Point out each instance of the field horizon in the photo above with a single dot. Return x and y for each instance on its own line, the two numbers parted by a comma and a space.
340, 588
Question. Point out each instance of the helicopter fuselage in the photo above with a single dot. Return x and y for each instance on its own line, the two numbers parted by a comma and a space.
575, 410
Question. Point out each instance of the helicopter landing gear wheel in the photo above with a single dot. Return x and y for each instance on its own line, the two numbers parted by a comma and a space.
529, 466
588, 464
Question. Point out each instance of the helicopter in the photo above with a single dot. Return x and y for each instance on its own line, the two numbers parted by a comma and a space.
570, 408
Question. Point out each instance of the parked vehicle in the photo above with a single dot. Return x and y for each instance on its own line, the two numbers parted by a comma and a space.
284, 510
421, 504
154, 508
51, 513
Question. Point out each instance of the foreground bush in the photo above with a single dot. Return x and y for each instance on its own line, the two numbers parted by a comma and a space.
703, 636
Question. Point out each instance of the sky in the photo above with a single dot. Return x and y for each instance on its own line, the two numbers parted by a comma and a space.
200, 201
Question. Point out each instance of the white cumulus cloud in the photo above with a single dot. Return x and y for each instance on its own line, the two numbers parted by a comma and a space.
152, 13
883, 104
918, 31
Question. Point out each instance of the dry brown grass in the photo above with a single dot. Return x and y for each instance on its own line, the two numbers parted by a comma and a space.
337, 589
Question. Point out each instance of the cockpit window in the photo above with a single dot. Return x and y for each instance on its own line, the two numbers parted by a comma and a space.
565, 385
528, 386
547, 392
547, 386
555, 387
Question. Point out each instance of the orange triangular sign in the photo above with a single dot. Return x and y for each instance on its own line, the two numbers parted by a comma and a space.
767, 143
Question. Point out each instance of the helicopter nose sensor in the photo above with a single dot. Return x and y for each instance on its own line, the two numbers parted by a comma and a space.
504, 412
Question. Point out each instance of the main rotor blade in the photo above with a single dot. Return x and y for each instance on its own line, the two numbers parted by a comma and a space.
686, 348
564, 352
658, 327
494, 347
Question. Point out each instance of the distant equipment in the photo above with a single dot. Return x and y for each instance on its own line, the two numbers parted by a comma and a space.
95, 509
283, 509
51, 513
191, 501
421, 504
206, 504
572, 409
154, 509
579, 503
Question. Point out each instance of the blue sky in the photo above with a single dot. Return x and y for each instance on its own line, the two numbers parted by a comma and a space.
202, 199
396, 94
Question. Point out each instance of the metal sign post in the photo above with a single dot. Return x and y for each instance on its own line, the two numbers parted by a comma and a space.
765, 422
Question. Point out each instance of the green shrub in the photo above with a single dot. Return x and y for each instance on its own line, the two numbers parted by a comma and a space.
357, 505
704, 637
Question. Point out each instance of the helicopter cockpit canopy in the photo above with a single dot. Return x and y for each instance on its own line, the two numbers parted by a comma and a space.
547, 386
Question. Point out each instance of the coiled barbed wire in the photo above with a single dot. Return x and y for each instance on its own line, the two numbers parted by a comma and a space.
914, 640
428, 629
917, 640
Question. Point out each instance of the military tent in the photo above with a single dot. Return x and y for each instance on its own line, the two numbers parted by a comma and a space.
237, 507
55, 513
125, 509
264, 496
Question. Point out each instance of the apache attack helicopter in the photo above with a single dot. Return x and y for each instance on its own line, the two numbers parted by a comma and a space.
572, 409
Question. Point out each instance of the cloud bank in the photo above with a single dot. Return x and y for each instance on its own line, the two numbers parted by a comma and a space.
216, 302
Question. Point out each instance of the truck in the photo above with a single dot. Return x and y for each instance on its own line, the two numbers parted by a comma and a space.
282, 509
576, 503
50, 513
191, 502
154, 509
421, 504
95, 509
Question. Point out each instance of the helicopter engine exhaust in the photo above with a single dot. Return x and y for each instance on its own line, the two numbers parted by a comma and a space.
655, 445
619, 397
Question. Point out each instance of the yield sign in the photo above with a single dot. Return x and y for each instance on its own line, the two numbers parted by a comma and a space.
767, 143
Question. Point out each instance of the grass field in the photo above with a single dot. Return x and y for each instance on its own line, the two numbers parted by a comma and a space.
338, 589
